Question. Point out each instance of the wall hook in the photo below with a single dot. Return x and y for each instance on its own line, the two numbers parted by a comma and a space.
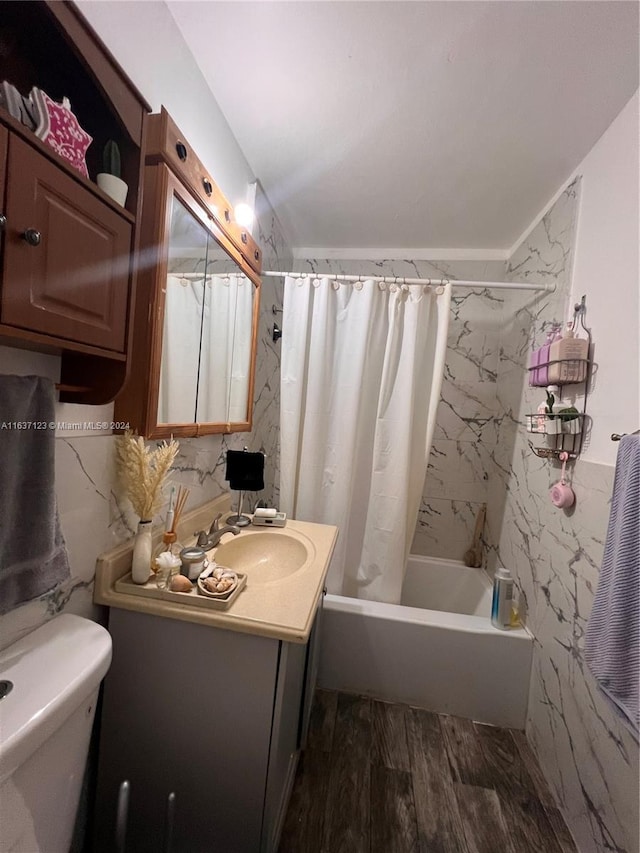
276, 333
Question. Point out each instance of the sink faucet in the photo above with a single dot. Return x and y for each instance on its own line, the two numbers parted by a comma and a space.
207, 541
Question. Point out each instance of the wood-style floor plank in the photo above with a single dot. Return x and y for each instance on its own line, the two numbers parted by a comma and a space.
440, 827
393, 816
323, 720
389, 736
346, 824
484, 827
304, 822
465, 752
469, 788
527, 824
505, 769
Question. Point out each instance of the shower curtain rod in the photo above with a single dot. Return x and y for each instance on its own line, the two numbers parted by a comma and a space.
202, 274
389, 279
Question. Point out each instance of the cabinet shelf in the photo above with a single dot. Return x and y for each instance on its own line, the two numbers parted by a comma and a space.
14, 125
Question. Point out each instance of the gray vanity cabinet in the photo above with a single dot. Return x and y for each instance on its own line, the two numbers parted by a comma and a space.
215, 716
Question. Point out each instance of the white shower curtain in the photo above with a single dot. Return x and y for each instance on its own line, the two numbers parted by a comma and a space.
361, 374
226, 349
180, 350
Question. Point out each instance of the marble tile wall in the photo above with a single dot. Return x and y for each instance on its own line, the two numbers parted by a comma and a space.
457, 479
588, 756
94, 516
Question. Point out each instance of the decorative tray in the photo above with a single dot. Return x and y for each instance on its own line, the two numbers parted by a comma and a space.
193, 598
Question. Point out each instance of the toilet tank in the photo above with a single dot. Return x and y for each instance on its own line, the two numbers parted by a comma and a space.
45, 728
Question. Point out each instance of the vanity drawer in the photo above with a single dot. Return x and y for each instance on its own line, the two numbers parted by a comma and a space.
165, 142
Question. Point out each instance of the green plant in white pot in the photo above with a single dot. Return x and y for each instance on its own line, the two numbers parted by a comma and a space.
570, 419
110, 181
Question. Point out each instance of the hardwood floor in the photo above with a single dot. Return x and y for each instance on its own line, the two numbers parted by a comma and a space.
378, 777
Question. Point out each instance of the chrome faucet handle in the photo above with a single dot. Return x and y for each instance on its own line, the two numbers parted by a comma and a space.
203, 540
215, 524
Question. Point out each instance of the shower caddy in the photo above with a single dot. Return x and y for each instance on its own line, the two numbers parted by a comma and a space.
569, 439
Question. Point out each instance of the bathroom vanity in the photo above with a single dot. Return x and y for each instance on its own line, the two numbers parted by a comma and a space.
210, 705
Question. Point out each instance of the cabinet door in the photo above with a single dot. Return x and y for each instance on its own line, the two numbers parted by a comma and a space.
4, 135
67, 255
187, 708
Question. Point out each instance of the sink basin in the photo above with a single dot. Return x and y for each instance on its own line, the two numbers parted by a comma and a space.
263, 557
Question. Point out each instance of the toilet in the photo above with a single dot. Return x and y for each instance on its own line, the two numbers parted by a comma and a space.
49, 687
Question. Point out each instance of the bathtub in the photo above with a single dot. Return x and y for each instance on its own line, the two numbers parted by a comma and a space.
436, 650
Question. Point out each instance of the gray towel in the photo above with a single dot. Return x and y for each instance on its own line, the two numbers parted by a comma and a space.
612, 648
33, 555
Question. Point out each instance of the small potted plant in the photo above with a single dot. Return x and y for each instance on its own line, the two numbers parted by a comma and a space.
110, 180
570, 419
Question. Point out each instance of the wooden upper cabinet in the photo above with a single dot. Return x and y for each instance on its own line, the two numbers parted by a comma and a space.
66, 258
67, 275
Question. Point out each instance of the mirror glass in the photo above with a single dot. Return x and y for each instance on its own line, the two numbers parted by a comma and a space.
208, 325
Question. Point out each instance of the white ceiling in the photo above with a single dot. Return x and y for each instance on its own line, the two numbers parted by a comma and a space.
414, 124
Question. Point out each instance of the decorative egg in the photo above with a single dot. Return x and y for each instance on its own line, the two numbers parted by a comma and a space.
180, 584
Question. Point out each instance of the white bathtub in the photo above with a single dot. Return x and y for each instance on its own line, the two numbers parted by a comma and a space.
437, 650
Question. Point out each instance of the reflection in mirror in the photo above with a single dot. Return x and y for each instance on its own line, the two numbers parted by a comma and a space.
208, 325
223, 385
184, 298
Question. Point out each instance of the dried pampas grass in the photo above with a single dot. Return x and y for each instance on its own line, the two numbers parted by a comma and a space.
142, 472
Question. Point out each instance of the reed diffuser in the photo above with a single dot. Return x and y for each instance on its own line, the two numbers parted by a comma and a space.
142, 473
166, 558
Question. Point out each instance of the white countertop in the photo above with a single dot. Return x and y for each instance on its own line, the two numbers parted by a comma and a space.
281, 609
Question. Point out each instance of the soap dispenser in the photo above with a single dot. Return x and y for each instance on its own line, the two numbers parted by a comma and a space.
553, 405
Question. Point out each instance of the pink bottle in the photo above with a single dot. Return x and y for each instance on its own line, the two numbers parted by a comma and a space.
534, 360
542, 374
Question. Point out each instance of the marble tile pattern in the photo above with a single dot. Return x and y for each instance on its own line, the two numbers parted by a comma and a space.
457, 480
93, 514
589, 758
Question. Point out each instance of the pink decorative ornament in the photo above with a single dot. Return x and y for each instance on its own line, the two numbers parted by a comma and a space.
59, 128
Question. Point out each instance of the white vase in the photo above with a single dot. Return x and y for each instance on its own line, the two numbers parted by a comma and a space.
141, 559
114, 187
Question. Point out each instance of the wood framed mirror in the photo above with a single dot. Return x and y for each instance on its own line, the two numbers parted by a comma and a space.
197, 304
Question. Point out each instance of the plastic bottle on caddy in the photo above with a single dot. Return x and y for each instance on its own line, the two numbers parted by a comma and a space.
568, 358
502, 601
542, 374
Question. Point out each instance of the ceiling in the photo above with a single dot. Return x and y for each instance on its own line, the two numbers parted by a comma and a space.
414, 124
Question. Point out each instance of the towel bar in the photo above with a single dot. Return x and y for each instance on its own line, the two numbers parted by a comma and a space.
616, 436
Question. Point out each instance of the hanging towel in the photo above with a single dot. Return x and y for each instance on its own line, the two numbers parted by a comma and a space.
33, 555
613, 633
245, 471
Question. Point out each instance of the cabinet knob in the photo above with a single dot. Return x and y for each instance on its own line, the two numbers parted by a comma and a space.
32, 237
243, 237
3, 221
181, 150
206, 183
